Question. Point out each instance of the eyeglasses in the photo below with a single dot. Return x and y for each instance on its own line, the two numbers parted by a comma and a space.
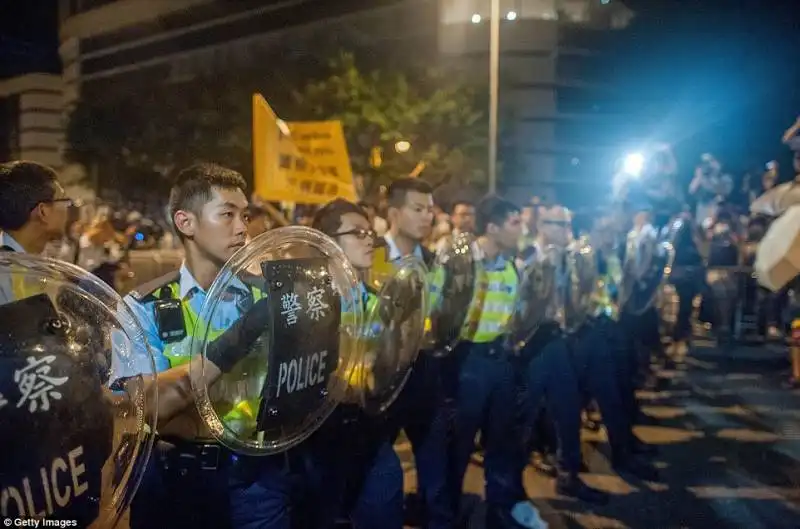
360, 234
68, 201
561, 223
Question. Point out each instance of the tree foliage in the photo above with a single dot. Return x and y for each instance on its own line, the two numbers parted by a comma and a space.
438, 114
152, 128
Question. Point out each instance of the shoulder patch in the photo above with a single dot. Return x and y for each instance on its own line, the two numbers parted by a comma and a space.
142, 292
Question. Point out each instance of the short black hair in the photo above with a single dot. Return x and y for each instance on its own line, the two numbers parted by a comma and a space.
194, 186
23, 186
461, 202
492, 210
403, 186
328, 218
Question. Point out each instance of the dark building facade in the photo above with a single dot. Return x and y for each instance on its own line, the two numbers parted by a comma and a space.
555, 71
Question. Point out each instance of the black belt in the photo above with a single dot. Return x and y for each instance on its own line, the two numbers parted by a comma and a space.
194, 455
495, 348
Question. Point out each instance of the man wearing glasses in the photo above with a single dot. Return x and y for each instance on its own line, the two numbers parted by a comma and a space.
33, 212
33, 207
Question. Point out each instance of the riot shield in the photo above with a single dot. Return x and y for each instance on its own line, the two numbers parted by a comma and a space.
76, 436
582, 284
537, 301
293, 369
452, 290
392, 335
648, 264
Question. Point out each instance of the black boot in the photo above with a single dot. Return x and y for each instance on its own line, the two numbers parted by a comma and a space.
573, 486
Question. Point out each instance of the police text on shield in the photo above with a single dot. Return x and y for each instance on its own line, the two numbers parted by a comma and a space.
59, 482
300, 373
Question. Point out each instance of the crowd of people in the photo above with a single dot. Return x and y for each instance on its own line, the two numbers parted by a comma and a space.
521, 396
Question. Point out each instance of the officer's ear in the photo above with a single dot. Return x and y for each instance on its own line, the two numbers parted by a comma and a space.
185, 223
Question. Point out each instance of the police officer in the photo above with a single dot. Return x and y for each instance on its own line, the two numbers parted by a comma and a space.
485, 395
33, 207
562, 369
359, 474
192, 481
421, 409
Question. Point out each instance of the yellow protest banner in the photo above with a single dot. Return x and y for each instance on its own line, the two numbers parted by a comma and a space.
302, 162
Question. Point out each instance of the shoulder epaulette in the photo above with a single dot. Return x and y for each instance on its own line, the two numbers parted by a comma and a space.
145, 291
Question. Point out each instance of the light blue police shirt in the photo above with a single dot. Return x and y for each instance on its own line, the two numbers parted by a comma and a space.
232, 304
394, 253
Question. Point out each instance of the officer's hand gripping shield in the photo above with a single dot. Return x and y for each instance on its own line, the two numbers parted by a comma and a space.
77, 418
392, 335
292, 305
451, 292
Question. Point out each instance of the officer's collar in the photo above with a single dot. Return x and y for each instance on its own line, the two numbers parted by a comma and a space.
394, 251
188, 285
498, 262
8, 240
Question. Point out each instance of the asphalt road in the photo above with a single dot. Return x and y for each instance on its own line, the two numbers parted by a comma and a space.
729, 440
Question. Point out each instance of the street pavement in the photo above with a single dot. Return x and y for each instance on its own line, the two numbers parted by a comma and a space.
729, 453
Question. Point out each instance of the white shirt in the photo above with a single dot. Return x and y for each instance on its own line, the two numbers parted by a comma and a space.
395, 253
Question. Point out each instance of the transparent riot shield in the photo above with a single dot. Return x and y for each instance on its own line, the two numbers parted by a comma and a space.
538, 301
392, 335
582, 278
647, 267
288, 305
451, 292
76, 418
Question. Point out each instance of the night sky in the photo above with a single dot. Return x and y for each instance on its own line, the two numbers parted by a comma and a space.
720, 76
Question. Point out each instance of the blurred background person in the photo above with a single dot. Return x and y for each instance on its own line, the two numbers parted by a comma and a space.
378, 223
462, 220
709, 187
259, 222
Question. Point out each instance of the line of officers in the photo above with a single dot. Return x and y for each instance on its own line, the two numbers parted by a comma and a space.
525, 349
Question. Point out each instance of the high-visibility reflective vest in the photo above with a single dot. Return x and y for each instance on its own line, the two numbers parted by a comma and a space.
492, 304
243, 412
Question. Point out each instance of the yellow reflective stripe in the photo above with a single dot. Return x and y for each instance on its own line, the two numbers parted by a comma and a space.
491, 309
436, 279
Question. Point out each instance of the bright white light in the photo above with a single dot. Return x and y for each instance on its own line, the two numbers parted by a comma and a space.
476, 18
402, 146
604, 2
512, 15
633, 164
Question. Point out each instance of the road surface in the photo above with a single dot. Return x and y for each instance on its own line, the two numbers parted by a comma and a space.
729, 440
